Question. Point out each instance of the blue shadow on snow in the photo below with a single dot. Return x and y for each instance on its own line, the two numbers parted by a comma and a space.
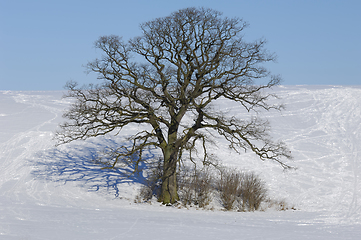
79, 162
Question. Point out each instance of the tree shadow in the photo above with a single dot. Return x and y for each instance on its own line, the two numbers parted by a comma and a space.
85, 163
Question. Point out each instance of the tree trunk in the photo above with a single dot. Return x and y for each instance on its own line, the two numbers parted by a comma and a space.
169, 190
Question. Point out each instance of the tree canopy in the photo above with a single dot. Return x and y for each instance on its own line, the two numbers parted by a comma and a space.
180, 65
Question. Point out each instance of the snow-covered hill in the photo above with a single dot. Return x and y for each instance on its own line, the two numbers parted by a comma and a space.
49, 192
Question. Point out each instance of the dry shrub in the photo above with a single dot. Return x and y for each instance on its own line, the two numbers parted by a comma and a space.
252, 192
151, 187
228, 186
241, 190
195, 186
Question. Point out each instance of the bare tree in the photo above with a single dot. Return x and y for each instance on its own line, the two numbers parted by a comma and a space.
183, 63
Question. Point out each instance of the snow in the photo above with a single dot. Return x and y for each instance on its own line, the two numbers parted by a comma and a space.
49, 192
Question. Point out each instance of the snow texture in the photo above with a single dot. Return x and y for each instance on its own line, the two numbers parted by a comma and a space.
49, 192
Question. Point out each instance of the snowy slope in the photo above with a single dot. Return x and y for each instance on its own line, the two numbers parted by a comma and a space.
58, 193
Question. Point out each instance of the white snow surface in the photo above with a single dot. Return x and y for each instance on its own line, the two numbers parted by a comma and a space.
49, 192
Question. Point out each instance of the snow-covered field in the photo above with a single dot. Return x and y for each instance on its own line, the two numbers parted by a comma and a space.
49, 192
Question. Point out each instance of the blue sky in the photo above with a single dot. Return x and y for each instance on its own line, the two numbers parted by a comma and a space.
44, 44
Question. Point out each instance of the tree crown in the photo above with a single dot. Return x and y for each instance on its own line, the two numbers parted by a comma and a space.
190, 59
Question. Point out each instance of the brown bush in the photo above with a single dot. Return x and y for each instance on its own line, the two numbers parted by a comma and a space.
195, 186
244, 191
228, 186
151, 187
252, 192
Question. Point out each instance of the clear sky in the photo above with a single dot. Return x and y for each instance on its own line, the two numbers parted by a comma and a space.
45, 43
